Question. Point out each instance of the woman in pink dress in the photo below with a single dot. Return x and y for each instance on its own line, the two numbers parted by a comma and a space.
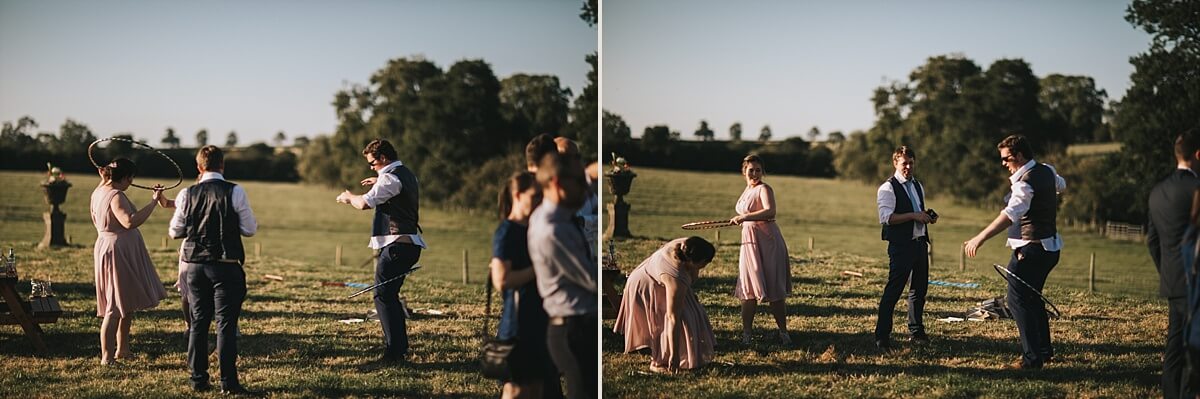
660, 311
763, 270
125, 277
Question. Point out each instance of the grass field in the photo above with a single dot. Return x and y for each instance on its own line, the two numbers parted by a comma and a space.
1109, 342
841, 217
295, 222
292, 344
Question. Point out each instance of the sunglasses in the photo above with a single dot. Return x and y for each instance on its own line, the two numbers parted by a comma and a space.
1006, 159
372, 163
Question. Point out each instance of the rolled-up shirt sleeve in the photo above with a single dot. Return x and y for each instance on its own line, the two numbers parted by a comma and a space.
241, 205
386, 187
886, 199
177, 228
1018, 201
1060, 184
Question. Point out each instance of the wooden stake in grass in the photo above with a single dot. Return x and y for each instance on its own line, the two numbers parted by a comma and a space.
337, 255
465, 279
164, 242
1092, 273
811, 244
257, 249
718, 241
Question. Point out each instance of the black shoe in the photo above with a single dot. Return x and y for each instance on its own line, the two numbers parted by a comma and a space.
919, 339
403, 358
883, 344
240, 391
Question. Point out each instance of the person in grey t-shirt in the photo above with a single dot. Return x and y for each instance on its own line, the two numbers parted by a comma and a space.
566, 274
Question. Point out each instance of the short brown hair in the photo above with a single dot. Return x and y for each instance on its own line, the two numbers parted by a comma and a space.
538, 147
1017, 143
118, 169
380, 148
1187, 144
569, 173
210, 157
753, 158
904, 151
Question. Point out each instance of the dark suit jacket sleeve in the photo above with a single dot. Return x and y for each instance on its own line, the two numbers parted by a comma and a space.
1152, 241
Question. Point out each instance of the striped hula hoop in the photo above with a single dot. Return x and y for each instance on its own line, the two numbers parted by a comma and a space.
178, 170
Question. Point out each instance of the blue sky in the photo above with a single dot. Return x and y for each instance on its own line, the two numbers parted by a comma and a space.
798, 64
255, 67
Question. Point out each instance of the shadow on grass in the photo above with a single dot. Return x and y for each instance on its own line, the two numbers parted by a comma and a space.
1070, 368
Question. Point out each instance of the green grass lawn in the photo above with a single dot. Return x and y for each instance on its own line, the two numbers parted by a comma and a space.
295, 222
1109, 343
841, 217
292, 344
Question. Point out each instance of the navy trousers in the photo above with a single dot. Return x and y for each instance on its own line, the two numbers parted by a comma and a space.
907, 264
394, 259
1176, 376
1032, 264
572, 344
216, 289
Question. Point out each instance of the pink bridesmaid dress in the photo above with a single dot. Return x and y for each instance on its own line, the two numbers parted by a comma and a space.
764, 273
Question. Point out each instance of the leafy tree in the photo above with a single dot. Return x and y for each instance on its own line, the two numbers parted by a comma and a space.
1072, 105
280, 137
764, 135
170, 139
590, 12
703, 132
814, 133
1162, 101
231, 140
75, 137
584, 120
735, 132
616, 134
300, 141
202, 137
534, 104
656, 138
836, 137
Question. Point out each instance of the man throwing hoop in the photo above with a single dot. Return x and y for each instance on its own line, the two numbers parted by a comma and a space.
395, 233
1029, 218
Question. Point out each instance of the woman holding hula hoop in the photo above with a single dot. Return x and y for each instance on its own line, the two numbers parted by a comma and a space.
126, 280
763, 270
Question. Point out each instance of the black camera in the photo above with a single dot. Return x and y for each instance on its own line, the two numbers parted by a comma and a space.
932, 214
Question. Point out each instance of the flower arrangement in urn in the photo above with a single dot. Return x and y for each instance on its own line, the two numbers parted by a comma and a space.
54, 175
620, 177
620, 165
56, 185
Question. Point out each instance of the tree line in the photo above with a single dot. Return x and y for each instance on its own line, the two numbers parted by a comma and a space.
22, 147
662, 147
954, 112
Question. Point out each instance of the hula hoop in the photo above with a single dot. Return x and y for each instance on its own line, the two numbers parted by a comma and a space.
714, 224
179, 171
1004, 272
708, 224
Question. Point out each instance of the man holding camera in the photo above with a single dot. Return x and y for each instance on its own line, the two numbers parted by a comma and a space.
901, 201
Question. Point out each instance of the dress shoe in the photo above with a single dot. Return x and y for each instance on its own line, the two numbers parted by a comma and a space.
919, 339
404, 358
883, 344
1021, 365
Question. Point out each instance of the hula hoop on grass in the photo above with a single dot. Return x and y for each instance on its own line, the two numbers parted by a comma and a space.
708, 224
1004, 272
178, 171
714, 224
